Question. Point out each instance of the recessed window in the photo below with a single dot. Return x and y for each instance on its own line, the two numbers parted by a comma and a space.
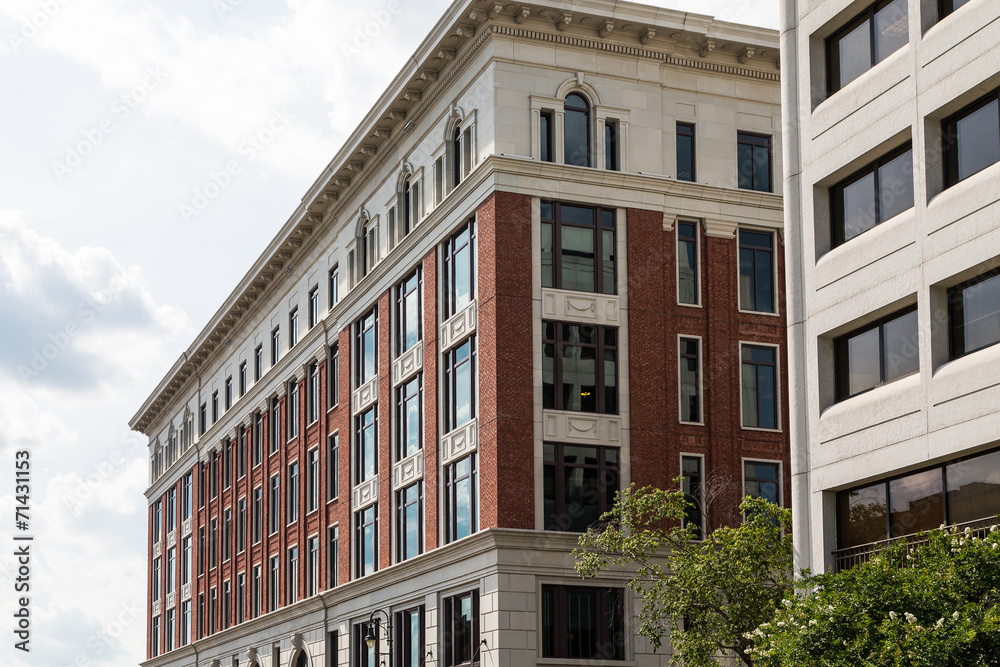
333, 375
612, 161
753, 161
546, 133
460, 385
759, 390
438, 180
456, 157
366, 454
410, 637
685, 152
876, 193
460, 269
241, 526
460, 627
867, 40
762, 479
690, 380
691, 470
971, 139
687, 263
332, 466
409, 522
366, 541
946, 7
274, 511
578, 248
579, 367
369, 248
333, 555
461, 499
203, 419
292, 503
258, 362
293, 327
292, 416
312, 579
312, 481
275, 345
258, 514
878, 353
366, 356
408, 315
313, 391
974, 314
757, 291
333, 295
577, 130
409, 418
580, 485
292, 591
273, 582
313, 306
274, 430
215, 406
583, 622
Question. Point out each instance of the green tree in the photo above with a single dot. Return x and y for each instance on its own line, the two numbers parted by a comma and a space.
933, 603
706, 595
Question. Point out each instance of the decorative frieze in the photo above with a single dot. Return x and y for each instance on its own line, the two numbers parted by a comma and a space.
408, 470
365, 395
587, 429
599, 309
463, 440
408, 364
365, 493
186, 527
459, 326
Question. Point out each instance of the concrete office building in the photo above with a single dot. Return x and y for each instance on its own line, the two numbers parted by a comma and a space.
547, 264
893, 249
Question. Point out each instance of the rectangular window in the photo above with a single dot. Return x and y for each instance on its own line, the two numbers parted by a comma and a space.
579, 368
275, 345
366, 355
227, 534
332, 555
214, 473
409, 523
154, 637
213, 608
312, 481
313, 306
971, 139
460, 623
691, 486
409, 628
946, 7
334, 287
226, 601
408, 314
757, 291
227, 463
203, 419
186, 561
171, 510
258, 363
460, 269
156, 576
171, 569
275, 425
688, 290
578, 248
974, 314
258, 513
759, 380
753, 161
611, 160
168, 643
460, 384
685, 152
583, 622
241, 525
412, 206
241, 596
185, 623
545, 137
258, 436
257, 593
461, 499
409, 418
366, 445
201, 550
292, 590
690, 380
293, 492
872, 195
332, 466
274, 508
364, 655
157, 517
241, 452
438, 180
293, 328
876, 354
366, 541
867, 40
580, 485
762, 479
313, 391
333, 376
215, 406
213, 542
273, 583
369, 249
292, 403
312, 580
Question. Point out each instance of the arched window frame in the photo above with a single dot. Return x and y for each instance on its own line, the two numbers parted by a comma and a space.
600, 116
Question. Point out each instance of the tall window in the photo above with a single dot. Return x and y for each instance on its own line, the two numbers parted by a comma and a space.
274, 507
312, 580
171, 510
241, 452
438, 180
367, 349
366, 541
333, 295
292, 591
241, 525
258, 362
157, 517
215, 406
411, 205
241, 596
757, 291
880, 352
243, 378
759, 379
460, 384
156, 576
461, 492
974, 314
456, 157
313, 397
258, 435
578, 248
292, 416
293, 328
332, 466
369, 248
687, 263
275, 425
312, 481
690, 380
227, 534
332, 555
579, 368
226, 601
171, 569
460, 269
870, 38
691, 486
185, 623
460, 622
273, 582
409, 644
753, 160
256, 593
366, 454
583, 622
313, 306
685, 152
333, 376
577, 130
168, 641
186, 496
409, 418
293, 492
876, 193
761, 479
971, 139
213, 542
546, 136
408, 313
611, 157
409, 523
203, 419
154, 637
258, 513
275, 345
580, 485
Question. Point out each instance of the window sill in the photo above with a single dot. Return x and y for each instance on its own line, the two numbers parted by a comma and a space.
690, 305
759, 312
574, 662
681, 421
761, 430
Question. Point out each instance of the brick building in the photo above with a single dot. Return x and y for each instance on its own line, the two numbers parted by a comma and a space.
546, 265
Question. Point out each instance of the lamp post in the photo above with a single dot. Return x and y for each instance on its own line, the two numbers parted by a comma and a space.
371, 638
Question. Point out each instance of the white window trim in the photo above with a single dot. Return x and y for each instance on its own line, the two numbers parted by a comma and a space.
777, 386
701, 379
757, 459
774, 270
703, 508
697, 250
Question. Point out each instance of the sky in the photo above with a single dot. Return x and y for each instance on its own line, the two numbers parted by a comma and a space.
148, 153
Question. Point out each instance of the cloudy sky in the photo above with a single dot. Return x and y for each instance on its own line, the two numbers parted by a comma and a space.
119, 118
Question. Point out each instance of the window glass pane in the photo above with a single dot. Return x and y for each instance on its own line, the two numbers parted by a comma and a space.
896, 186
916, 502
766, 402
610, 382
411, 314
863, 361
608, 253
544, 140
744, 162
891, 29
463, 384
411, 417
974, 488
685, 154
548, 264
463, 630
463, 275
548, 376
610, 147
854, 53
463, 498
978, 140
578, 259
576, 215
981, 314
690, 411
548, 622
687, 289
861, 516
581, 608
902, 352
576, 121
763, 281
762, 169
859, 206
749, 394
579, 386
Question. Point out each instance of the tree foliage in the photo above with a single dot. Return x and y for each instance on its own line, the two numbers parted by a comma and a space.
708, 595
931, 604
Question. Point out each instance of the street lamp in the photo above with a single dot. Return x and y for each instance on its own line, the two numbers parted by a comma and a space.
371, 638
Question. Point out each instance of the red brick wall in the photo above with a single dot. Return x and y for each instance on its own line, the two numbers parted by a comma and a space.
430, 338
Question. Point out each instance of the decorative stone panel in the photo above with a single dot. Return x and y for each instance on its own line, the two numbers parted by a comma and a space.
157, 549
587, 429
408, 364
458, 327
599, 309
365, 395
365, 493
186, 592
463, 440
171, 600
186, 527
408, 470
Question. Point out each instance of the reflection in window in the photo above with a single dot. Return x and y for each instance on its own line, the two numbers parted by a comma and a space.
578, 248
460, 269
761, 480
971, 139
881, 352
690, 382
409, 628
757, 271
685, 152
545, 134
366, 455
579, 368
687, 263
583, 623
870, 38
461, 630
461, 510
880, 191
580, 485
366, 540
408, 420
577, 130
409, 522
408, 313
753, 162
691, 486
974, 314
365, 360
460, 385
760, 387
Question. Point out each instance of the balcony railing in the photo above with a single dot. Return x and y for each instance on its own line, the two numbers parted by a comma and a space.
844, 559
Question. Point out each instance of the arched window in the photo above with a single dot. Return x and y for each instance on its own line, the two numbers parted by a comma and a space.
302, 661
577, 130
456, 157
